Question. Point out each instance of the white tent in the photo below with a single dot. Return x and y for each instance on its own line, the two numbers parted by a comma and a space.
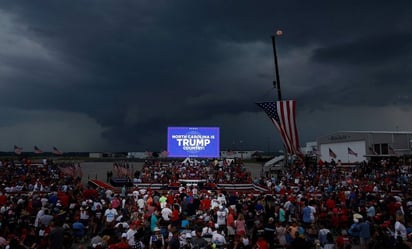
276, 162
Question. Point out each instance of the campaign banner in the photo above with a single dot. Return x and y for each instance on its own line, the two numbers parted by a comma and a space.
199, 142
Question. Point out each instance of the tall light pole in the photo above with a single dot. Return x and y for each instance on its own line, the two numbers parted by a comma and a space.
276, 83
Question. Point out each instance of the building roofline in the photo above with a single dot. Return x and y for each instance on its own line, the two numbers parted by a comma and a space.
379, 132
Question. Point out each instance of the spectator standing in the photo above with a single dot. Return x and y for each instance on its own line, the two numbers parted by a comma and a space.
329, 242
174, 242
308, 214
240, 225
198, 241
400, 229
261, 242
157, 240
110, 215
56, 235
281, 234
364, 233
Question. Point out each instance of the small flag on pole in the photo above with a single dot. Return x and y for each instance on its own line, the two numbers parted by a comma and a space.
57, 151
316, 151
18, 150
351, 152
37, 150
331, 153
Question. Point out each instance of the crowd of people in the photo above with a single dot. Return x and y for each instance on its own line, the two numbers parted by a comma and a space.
213, 171
320, 205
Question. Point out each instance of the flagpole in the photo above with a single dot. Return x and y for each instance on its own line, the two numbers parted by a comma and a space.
276, 84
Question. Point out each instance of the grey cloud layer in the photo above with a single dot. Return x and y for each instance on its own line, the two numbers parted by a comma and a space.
136, 67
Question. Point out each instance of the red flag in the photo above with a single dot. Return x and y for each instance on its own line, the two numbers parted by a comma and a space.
331, 153
57, 151
18, 150
37, 150
282, 114
351, 152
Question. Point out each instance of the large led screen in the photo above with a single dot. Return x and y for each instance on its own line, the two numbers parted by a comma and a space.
200, 142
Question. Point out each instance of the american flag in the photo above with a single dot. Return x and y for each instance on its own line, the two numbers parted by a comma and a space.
351, 152
57, 151
331, 153
18, 150
282, 114
37, 150
316, 151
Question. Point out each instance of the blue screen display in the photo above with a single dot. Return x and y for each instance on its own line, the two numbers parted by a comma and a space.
199, 142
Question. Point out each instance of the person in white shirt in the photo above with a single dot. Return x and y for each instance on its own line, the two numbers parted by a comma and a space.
39, 214
221, 199
218, 239
109, 194
214, 203
371, 211
141, 203
130, 235
400, 229
110, 215
221, 216
166, 213
207, 231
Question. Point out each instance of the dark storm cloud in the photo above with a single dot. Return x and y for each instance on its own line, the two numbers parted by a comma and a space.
368, 51
376, 64
136, 67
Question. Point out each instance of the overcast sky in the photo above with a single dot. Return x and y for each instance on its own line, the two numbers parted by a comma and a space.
108, 75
